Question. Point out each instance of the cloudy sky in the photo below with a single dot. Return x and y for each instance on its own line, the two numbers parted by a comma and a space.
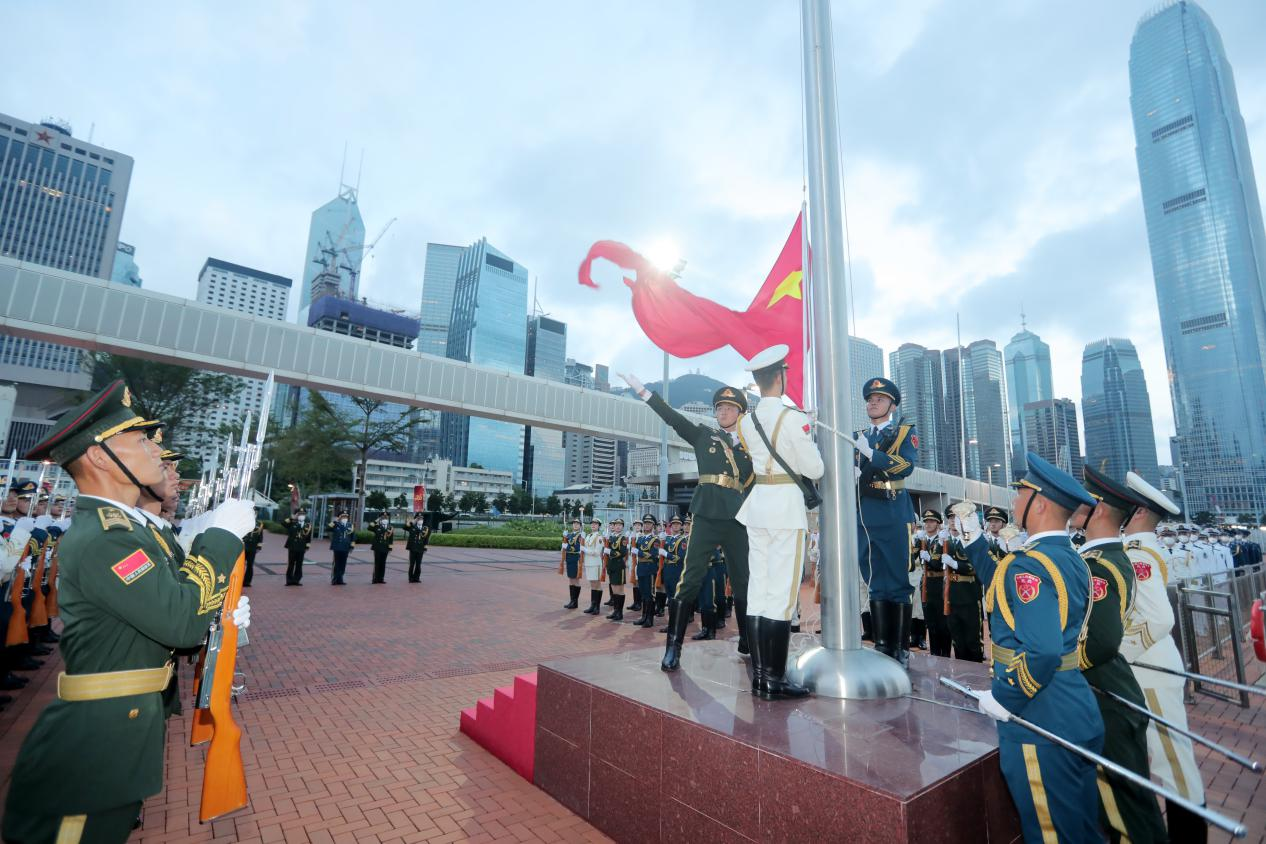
988, 149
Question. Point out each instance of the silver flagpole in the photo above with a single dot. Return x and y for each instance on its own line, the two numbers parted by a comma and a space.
839, 667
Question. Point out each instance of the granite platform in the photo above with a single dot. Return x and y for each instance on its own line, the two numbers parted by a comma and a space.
693, 756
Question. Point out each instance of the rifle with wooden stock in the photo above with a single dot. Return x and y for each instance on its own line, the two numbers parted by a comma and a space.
224, 776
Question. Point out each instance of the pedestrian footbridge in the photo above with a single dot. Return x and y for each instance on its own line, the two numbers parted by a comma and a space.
48, 304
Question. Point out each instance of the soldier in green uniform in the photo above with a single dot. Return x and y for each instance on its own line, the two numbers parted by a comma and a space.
252, 542
929, 551
384, 536
964, 619
617, 566
1127, 811
725, 476
98, 750
415, 543
569, 562
298, 538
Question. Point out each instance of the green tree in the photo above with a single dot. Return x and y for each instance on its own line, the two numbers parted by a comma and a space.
501, 503
553, 506
481, 503
1204, 518
450, 502
435, 501
588, 511
177, 395
312, 453
377, 500
476, 466
467, 502
401, 501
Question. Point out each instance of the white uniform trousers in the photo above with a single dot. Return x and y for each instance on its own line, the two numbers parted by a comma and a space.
1169, 755
775, 560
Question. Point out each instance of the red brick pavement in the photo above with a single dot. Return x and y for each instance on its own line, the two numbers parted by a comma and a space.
353, 693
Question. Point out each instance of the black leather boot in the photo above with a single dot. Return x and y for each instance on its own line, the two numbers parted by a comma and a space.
885, 619
903, 655
660, 599
707, 627
918, 634
753, 639
618, 614
595, 601
636, 606
648, 615
720, 615
678, 618
575, 597
610, 598
740, 615
773, 640
868, 628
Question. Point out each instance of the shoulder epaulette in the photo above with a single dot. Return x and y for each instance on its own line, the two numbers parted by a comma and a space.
113, 518
1133, 544
1092, 554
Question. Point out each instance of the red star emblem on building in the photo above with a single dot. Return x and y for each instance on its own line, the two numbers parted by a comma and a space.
44, 137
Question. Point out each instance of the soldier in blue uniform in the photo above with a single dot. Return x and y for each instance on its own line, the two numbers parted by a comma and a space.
342, 540
1038, 602
569, 563
675, 547
712, 596
646, 552
886, 455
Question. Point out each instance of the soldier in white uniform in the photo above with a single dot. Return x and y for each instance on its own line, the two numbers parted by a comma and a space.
1148, 639
593, 551
776, 520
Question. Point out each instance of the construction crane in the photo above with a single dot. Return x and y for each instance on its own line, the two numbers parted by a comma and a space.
328, 282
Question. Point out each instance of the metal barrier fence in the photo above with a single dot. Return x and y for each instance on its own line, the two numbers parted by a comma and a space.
1211, 613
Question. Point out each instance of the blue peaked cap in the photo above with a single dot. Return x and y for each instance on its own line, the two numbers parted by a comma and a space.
1054, 483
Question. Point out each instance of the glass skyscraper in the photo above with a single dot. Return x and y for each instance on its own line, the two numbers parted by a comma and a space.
543, 454
1204, 227
1117, 411
916, 371
439, 280
1050, 432
336, 237
865, 361
1028, 380
489, 328
976, 397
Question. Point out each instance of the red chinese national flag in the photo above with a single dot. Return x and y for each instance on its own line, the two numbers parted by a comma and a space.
686, 325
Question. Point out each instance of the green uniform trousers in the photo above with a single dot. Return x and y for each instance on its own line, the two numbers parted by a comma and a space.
113, 826
1126, 810
705, 535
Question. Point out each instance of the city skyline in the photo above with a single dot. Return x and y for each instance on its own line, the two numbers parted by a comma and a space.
730, 205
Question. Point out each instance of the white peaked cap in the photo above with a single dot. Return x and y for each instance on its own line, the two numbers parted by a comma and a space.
768, 357
1159, 502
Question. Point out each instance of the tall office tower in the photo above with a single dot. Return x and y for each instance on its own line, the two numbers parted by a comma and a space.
1117, 411
589, 461
61, 205
865, 360
439, 280
1050, 432
916, 371
488, 328
544, 460
125, 269
1204, 228
336, 245
978, 400
1028, 380
237, 288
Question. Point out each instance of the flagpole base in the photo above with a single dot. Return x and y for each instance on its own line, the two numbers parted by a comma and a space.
856, 674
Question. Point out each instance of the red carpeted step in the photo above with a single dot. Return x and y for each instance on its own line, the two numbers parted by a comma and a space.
505, 724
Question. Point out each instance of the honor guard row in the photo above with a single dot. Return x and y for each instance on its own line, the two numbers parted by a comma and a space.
131, 593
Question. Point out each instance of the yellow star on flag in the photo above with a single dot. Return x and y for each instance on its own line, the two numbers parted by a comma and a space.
789, 286
221, 579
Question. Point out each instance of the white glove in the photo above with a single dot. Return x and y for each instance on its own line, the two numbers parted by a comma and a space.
638, 386
967, 520
992, 708
234, 515
26, 523
8, 562
18, 538
242, 615
948, 560
857, 474
862, 446
63, 523
43, 522
925, 556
